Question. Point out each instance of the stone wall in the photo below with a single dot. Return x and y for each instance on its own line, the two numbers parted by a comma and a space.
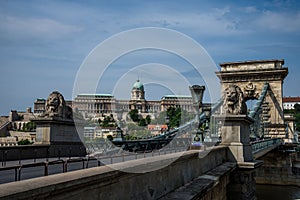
278, 169
111, 182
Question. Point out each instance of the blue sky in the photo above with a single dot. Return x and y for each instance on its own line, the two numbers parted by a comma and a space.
44, 43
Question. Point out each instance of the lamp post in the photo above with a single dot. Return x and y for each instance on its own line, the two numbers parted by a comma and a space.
197, 96
119, 116
168, 122
207, 130
119, 132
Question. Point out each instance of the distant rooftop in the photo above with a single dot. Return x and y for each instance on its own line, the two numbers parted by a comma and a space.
40, 99
176, 97
290, 99
95, 95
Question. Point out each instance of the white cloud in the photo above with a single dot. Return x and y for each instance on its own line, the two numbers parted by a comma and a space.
282, 22
35, 27
211, 22
250, 9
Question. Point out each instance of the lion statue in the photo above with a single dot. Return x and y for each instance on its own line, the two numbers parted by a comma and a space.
56, 106
234, 101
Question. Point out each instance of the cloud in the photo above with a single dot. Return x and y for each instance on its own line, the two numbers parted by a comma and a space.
284, 22
250, 9
208, 23
16, 27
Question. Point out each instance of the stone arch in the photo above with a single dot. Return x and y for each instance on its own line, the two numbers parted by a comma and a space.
251, 77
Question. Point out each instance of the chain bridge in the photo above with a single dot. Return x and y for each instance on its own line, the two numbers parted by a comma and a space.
222, 147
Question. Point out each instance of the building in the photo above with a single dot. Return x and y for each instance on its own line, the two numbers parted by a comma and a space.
94, 104
91, 133
184, 102
137, 100
39, 106
99, 105
289, 102
157, 129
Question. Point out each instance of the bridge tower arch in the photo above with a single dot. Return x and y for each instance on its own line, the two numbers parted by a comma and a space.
251, 77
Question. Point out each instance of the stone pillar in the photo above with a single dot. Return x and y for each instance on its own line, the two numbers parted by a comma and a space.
235, 133
61, 135
49, 130
56, 128
242, 185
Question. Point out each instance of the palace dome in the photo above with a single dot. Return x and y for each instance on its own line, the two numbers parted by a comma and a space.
138, 85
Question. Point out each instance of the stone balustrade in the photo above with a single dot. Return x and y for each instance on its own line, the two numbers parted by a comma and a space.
112, 182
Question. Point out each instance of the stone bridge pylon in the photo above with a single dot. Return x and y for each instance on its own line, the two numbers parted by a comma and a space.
251, 77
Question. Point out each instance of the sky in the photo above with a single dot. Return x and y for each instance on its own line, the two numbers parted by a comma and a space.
44, 44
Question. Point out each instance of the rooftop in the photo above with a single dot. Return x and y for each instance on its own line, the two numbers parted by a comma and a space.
290, 99
94, 95
176, 97
138, 85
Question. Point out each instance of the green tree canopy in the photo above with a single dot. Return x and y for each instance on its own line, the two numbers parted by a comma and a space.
148, 119
296, 113
134, 115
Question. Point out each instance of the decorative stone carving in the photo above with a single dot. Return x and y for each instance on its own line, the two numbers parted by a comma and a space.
56, 107
250, 91
234, 103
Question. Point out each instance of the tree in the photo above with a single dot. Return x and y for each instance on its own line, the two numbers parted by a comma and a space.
297, 108
108, 121
296, 113
148, 119
297, 121
110, 137
134, 115
24, 142
174, 115
30, 126
142, 122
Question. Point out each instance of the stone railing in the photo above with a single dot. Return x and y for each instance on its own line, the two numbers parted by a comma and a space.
265, 144
112, 182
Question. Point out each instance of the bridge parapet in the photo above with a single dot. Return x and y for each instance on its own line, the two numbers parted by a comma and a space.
265, 144
113, 182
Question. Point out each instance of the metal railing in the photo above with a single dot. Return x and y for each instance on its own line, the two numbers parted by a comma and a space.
19, 166
264, 144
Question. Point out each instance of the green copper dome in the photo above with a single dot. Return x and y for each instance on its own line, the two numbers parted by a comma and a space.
138, 85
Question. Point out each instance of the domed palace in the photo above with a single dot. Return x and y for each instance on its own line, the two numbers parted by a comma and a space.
96, 105
137, 100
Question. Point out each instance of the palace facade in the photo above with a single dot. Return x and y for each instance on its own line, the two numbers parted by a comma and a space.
97, 105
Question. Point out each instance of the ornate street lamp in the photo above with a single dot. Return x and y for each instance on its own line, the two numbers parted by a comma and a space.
119, 135
168, 122
119, 131
119, 116
197, 96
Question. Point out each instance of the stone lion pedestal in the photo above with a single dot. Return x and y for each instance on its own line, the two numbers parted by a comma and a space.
61, 135
235, 134
57, 129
